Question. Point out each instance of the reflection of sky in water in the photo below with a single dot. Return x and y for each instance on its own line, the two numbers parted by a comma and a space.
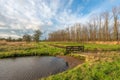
30, 68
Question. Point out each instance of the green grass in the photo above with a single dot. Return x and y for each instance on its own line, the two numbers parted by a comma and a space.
89, 46
31, 49
97, 70
104, 67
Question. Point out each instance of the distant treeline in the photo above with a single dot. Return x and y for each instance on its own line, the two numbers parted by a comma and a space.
26, 37
9, 39
101, 27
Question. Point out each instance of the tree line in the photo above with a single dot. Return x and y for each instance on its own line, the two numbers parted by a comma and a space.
102, 27
26, 37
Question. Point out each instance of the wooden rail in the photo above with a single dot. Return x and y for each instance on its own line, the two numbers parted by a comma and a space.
70, 49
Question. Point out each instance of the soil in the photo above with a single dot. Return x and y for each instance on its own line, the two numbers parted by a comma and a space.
72, 61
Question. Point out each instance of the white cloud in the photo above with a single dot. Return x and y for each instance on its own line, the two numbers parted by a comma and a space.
13, 32
29, 15
2, 24
49, 23
2, 35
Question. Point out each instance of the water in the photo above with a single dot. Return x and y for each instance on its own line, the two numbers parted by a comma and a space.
30, 68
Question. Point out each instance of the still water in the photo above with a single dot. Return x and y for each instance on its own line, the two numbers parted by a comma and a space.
30, 68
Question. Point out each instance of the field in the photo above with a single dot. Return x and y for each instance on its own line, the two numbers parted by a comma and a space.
102, 64
89, 46
28, 49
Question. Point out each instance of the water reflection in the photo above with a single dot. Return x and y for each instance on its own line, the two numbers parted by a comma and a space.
30, 68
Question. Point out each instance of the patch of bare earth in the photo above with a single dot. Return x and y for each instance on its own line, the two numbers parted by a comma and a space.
72, 61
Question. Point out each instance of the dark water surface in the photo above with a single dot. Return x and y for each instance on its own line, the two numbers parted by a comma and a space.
30, 68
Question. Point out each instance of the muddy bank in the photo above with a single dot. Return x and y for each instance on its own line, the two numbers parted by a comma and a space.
72, 61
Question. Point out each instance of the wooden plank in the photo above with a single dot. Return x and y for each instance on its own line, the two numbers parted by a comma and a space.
74, 48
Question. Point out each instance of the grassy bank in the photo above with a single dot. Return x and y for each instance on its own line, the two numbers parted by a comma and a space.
104, 67
28, 49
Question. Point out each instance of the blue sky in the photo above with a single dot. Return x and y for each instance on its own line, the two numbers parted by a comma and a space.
18, 17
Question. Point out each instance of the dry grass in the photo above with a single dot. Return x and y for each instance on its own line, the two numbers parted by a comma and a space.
15, 43
105, 42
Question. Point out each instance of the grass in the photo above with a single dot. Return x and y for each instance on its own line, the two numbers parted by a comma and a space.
90, 46
29, 49
96, 70
103, 66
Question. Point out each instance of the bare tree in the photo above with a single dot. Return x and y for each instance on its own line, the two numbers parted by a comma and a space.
98, 28
115, 28
106, 22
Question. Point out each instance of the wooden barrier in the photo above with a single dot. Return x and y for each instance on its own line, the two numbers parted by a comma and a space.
70, 49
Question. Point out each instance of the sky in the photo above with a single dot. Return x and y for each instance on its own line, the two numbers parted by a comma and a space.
19, 17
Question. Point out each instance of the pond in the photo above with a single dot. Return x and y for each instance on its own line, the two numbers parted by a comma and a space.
30, 68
